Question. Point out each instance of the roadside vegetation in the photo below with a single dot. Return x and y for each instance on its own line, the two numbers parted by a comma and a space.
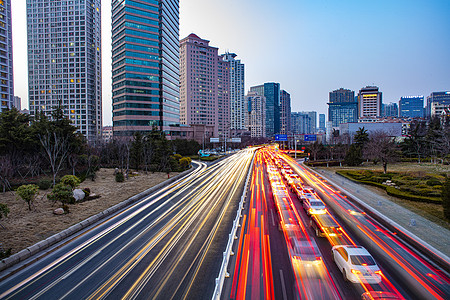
45, 159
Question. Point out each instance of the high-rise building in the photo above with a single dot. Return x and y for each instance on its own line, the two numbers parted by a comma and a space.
313, 121
64, 61
285, 112
342, 107
322, 127
411, 107
17, 103
6, 56
257, 114
223, 97
389, 110
271, 91
301, 123
237, 91
145, 66
369, 102
442, 98
199, 66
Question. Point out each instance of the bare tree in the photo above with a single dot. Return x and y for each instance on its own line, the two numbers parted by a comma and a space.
6, 171
381, 147
56, 149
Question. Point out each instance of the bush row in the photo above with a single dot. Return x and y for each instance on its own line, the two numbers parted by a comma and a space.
392, 191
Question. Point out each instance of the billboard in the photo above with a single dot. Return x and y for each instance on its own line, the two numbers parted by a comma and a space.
310, 137
281, 137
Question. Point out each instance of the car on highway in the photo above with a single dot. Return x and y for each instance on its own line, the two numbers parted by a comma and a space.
356, 264
379, 295
308, 189
313, 205
325, 225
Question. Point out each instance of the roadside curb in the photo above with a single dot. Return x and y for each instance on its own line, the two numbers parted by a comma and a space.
52, 240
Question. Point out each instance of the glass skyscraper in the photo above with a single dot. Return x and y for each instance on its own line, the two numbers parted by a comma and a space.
285, 112
411, 106
6, 56
271, 91
145, 65
64, 61
342, 108
443, 98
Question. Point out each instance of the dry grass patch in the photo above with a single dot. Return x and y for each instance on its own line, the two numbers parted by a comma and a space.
24, 228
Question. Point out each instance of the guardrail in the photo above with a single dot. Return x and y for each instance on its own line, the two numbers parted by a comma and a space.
58, 237
236, 223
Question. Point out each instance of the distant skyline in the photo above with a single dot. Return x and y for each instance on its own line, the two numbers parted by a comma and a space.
309, 47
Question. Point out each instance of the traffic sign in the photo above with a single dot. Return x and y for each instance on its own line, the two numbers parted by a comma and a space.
281, 137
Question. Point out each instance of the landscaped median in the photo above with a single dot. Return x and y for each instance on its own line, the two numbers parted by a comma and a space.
420, 188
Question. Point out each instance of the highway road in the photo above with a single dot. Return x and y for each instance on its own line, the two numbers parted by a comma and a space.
167, 246
406, 272
264, 248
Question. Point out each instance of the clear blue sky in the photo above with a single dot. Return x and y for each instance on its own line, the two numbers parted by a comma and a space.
310, 47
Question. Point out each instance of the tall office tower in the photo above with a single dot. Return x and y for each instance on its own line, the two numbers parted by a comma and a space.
443, 98
6, 56
389, 110
369, 102
257, 114
411, 107
322, 127
237, 91
271, 91
199, 66
145, 65
223, 97
301, 123
342, 107
64, 61
17, 103
313, 121
285, 112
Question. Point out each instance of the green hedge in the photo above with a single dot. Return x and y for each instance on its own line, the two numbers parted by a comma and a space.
331, 163
390, 190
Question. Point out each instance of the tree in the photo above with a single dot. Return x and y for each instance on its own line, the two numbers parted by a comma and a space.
315, 148
381, 147
27, 193
56, 149
137, 150
353, 157
71, 181
361, 137
415, 142
445, 194
61, 192
185, 162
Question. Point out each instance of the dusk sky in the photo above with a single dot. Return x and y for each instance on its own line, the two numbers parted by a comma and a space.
309, 47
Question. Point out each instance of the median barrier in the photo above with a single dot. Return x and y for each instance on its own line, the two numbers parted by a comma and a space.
52, 240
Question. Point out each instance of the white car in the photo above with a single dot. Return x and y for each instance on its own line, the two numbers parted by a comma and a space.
356, 264
313, 206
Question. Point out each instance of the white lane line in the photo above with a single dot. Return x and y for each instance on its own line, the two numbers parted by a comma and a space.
283, 286
273, 220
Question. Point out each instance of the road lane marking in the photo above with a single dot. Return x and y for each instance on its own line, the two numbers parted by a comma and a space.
283, 286
273, 220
